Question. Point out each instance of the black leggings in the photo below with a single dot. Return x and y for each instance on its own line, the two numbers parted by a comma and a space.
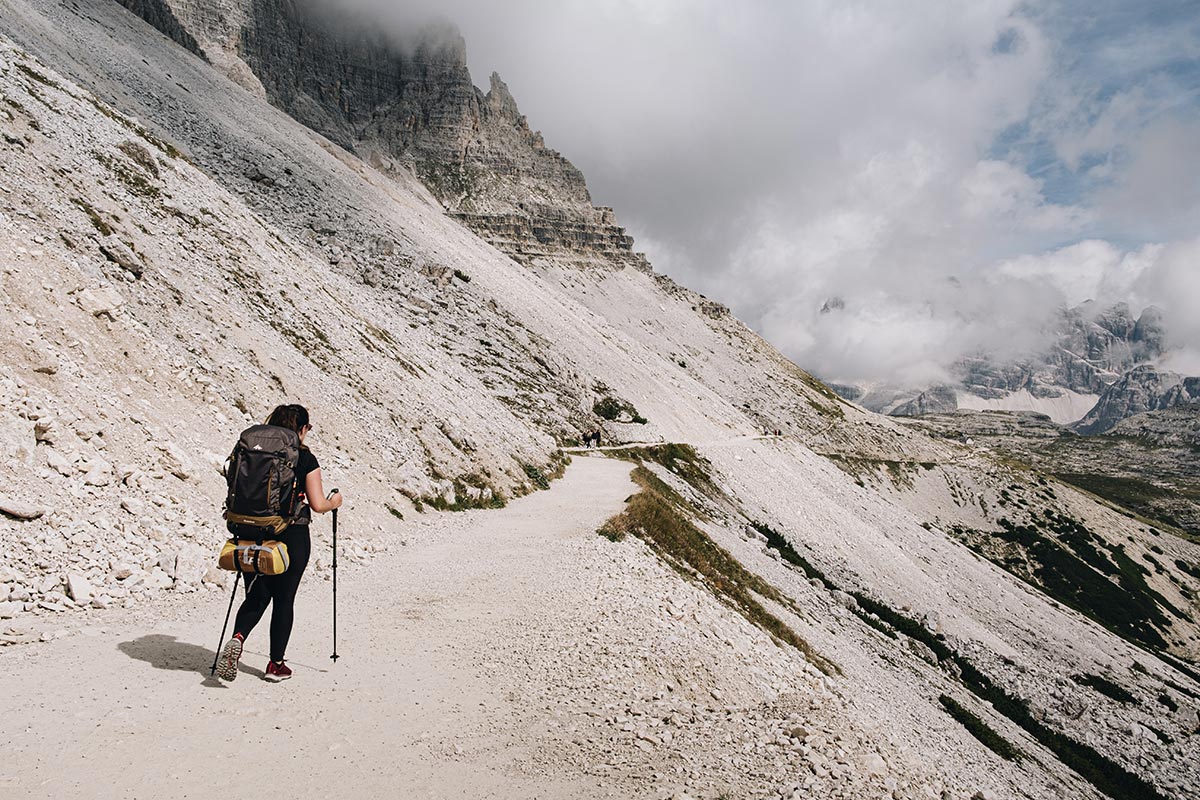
262, 590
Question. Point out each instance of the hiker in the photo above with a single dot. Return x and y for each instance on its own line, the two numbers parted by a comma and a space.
280, 590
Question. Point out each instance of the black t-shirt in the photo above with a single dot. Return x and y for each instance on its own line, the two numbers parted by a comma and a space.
306, 464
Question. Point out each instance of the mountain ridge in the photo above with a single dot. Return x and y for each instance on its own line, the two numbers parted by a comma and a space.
177, 268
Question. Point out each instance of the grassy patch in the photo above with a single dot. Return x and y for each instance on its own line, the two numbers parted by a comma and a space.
462, 500
140, 156
900, 473
1132, 495
462, 276
611, 409
980, 730
166, 147
102, 227
657, 518
1080, 581
536, 476
1105, 687
34, 75
1103, 773
395, 512
134, 179
681, 460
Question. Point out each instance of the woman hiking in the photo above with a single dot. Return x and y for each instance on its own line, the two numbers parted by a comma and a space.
280, 590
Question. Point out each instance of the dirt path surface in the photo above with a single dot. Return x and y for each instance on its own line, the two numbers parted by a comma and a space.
435, 639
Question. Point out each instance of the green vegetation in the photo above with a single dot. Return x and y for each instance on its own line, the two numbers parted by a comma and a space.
133, 178
536, 476
657, 516
462, 276
166, 147
610, 408
681, 460
33, 74
900, 473
463, 501
102, 227
1130, 494
980, 730
1105, 687
449, 181
395, 512
1127, 606
140, 156
1103, 773
1106, 775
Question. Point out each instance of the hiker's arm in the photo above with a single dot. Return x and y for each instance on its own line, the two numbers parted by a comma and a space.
315, 490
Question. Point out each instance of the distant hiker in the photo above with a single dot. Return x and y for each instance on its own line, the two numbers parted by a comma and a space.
591, 438
280, 590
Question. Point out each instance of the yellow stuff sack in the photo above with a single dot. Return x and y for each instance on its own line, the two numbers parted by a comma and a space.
246, 555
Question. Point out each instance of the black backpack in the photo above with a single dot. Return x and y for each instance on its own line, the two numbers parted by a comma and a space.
261, 473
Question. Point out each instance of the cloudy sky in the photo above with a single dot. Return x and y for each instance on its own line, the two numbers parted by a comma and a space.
951, 171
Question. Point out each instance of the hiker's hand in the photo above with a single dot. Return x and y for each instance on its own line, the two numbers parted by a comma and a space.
335, 501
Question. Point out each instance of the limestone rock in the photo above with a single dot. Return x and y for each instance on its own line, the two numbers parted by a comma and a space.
122, 255
100, 301
59, 462
78, 587
19, 510
17, 442
1142, 389
99, 473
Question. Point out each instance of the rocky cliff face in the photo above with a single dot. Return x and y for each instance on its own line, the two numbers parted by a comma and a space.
936, 400
1092, 348
1140, 390
405, 100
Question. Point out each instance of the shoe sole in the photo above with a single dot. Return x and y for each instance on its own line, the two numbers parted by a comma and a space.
227, 667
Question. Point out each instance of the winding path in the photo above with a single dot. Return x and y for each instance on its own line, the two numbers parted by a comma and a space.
422, 703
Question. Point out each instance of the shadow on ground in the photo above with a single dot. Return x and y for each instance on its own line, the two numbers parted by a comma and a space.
166, 652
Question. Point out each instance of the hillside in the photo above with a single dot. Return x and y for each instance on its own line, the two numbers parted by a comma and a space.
1146, 464
183, 250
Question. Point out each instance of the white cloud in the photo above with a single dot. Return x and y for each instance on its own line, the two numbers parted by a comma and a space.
775, 154
1089, 270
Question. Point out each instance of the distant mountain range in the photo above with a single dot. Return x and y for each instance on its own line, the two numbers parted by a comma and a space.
1100, 369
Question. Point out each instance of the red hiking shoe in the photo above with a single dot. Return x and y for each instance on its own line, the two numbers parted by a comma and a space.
277, 671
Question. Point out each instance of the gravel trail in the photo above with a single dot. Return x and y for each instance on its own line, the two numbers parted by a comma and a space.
433, 637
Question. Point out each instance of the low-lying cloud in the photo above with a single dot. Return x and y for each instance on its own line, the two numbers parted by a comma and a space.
946, 173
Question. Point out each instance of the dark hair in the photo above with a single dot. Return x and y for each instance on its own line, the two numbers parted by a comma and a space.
292, 417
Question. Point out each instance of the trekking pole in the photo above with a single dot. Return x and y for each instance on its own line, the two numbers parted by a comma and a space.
335, 652
237, 578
